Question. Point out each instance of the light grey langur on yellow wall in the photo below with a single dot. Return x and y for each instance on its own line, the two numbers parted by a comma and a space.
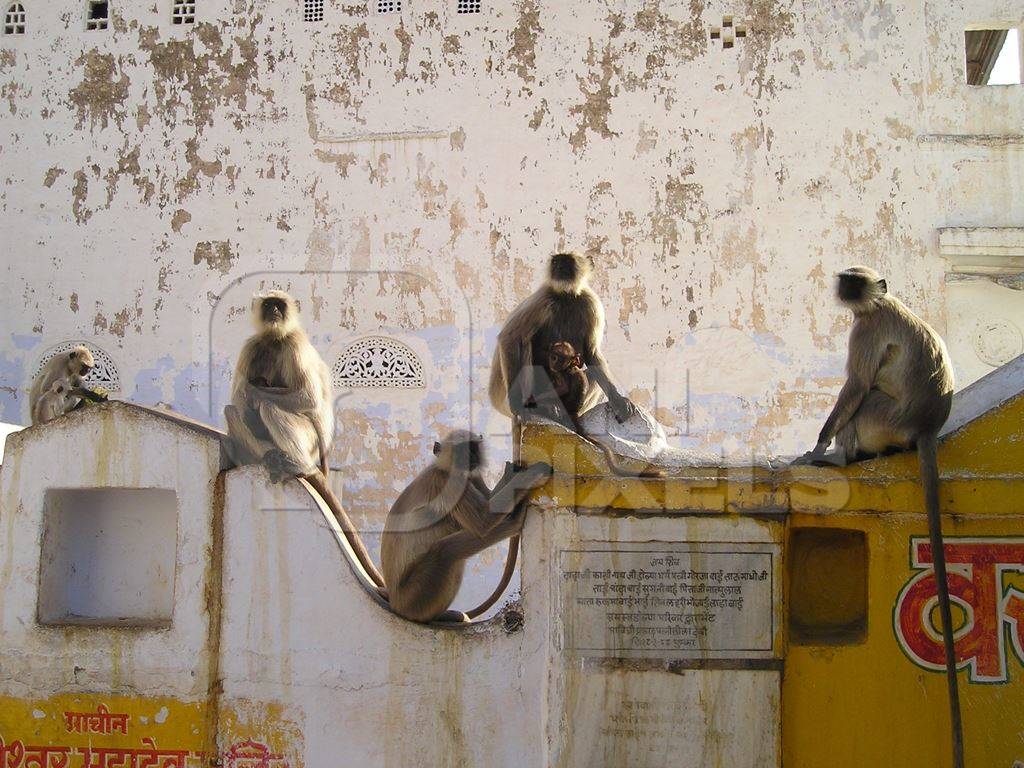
445, 516
72, 368
897, 396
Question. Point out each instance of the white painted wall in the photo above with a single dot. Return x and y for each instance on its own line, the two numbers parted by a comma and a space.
155, 175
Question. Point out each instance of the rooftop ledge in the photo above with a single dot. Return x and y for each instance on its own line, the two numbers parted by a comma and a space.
980, 450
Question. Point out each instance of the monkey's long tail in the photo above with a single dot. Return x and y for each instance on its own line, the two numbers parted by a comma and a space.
612, 459
506, 577
927, 454
345, 523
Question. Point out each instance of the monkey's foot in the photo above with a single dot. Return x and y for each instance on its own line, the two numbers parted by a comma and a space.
813, 459
281, 467
452, 617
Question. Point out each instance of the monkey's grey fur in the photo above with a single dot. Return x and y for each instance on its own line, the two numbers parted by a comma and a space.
563, 309
281, 411
445, 516
897, 396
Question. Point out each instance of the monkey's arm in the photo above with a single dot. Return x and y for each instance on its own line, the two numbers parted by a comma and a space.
597, 370
298, 400
88, 394
480, 515
862, 364
515, 349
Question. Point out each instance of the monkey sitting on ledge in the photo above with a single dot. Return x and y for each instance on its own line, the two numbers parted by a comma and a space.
563, 401
445, 516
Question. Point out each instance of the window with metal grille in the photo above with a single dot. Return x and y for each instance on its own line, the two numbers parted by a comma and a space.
103, 377
468, 6
378, 362
389, 6
14, 20
184, 12
98, 14
313, 10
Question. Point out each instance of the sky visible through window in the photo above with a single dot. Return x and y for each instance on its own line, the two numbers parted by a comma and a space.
1006, 70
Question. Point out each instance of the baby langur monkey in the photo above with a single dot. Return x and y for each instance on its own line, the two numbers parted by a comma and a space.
897, 396
52, 404
564, 400
445, 516
71, 369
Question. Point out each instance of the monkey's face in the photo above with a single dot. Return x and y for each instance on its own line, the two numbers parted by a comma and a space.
563, 357
570, 270
461, 451
858, 287
274, 311
80, 362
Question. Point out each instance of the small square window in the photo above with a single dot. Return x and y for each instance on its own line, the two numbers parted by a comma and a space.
389, 6
994, 56
108, 557
184, 12
313, 10
468, 6
98, 15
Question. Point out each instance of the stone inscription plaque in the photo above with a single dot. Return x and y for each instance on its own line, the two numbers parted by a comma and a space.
680, 600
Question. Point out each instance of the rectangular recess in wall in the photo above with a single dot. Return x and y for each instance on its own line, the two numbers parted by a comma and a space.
828, 586
108, 557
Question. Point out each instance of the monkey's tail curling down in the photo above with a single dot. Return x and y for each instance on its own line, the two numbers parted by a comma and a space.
927, 454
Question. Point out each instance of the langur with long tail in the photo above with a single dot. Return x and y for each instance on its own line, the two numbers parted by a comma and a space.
897, 396
445, 516
282, 412
71, 368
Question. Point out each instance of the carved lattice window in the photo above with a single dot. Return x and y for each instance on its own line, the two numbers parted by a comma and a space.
14, 20
98, 14
468, 6
103, 376
378, 362
184, 12
389, 6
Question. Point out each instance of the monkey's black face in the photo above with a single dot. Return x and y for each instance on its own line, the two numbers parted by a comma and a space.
850, 288
83, 369
274, 310
469, 454
564, 268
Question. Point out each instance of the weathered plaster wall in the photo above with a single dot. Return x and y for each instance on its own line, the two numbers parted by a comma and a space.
154, 175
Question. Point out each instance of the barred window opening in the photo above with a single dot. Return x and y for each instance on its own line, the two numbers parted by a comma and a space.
378, 362
98, 16
184, 12
14, 20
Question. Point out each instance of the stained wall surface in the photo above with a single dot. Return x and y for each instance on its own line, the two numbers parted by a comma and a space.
406, 174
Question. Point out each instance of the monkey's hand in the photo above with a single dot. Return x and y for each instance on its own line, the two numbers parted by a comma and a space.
533, 476
88, 394
623, 408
